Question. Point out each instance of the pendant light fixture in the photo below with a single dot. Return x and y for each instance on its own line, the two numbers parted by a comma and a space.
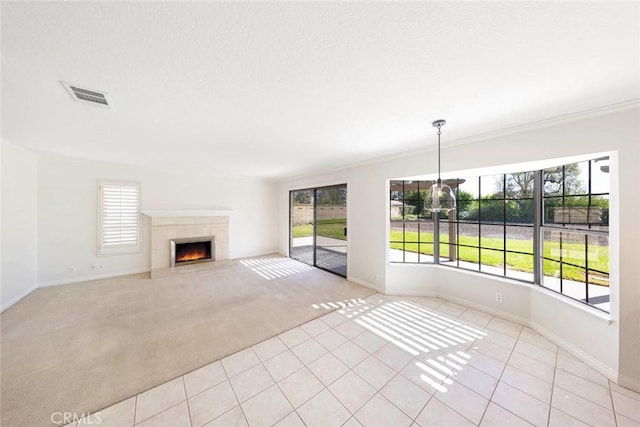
440, 197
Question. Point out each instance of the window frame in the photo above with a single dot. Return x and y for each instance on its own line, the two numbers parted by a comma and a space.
539, 225
118, 249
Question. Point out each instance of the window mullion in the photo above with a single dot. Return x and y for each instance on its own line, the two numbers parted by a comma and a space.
538, 266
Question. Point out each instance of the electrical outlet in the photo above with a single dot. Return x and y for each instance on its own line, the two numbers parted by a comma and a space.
499, 296
71, 269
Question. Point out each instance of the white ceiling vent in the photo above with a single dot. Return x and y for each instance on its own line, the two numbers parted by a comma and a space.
89, 96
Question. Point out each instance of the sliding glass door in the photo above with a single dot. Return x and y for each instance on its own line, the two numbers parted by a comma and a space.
318, 227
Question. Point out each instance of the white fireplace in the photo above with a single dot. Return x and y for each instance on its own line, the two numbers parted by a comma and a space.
181, 226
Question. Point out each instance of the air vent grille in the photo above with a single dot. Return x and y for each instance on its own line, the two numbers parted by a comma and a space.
88, 95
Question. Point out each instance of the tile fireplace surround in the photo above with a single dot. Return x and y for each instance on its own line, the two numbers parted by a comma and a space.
168, 225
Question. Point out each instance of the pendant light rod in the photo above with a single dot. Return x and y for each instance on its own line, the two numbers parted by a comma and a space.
438, 124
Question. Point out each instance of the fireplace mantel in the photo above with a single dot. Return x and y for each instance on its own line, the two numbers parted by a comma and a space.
171, 213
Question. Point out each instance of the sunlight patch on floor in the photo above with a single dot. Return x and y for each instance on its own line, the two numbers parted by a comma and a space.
437, 343
275, 268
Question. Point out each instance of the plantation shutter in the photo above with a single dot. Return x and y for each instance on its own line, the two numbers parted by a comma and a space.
119, 217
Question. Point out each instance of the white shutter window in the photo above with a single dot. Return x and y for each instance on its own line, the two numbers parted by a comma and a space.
119, 221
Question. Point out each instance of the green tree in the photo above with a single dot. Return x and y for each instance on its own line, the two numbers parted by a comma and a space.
302, 197
332, 196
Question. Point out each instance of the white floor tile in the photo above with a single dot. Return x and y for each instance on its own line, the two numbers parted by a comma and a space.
300, 387
560, 419
582, 409
476, 380
622, 390
437, 414
492, 349
429, 303
352, 422
541, 354
418, 376
232, 418
532, 366
350, 354
352, 391
330, 339
291, 420
159, 398
309, 351
204, 378
464, 401
269, 348
328, 368
626, 422
486, 364
350, 329
294, 337
405, 395
323, 410
333, 319
504, 326
251, 382
370, 341
527, 383
373, 371
240, 361
532, 337
379, 411
626, 406
475, 318
576, 367
176, 416
521, 404
393, 356
504, 340
211, 403
267, 408
450, 309
283, 365
496, 416
314, 327
584, 388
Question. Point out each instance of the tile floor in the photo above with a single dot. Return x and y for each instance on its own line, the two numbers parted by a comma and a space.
389, 361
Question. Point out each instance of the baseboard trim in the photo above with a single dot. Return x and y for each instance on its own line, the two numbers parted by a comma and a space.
365, 284
628, 382
90, 278
13, 301
575, 351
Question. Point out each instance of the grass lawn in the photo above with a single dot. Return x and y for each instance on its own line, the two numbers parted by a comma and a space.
571, 252
333, 228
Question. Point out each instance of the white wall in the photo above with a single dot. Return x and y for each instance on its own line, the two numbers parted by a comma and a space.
19, 224
67, 214
612, 348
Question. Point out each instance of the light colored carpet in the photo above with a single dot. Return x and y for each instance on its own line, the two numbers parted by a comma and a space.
82, 347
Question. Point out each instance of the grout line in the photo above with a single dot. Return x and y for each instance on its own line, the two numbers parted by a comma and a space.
613, 406
135, 409
553, 386
184, 388
234, 393
506, 363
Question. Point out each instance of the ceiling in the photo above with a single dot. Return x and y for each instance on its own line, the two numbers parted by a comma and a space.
275, 90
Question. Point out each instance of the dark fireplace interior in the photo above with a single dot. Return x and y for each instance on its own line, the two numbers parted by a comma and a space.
194, 251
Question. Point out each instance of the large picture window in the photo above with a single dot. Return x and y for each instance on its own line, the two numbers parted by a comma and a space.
548, 227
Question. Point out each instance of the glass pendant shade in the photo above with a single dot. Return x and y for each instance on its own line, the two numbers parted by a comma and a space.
440, 198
